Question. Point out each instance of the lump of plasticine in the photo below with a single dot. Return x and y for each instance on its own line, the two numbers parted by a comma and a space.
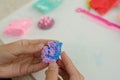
18, 27
103, 6
46, 22
46, 6
51, 52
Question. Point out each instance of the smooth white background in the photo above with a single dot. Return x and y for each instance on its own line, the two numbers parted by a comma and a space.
94, 49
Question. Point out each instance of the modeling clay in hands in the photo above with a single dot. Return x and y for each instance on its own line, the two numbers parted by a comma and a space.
103, 6
46, 22
18, 27
46, 6
51, 52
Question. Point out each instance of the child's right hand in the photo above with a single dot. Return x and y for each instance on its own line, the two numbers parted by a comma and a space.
66, 70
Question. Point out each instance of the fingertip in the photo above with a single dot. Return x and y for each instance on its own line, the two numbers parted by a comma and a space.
65, 57
63, 53
53, 66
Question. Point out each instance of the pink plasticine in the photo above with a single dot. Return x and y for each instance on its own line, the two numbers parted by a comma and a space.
18, 27
46, 22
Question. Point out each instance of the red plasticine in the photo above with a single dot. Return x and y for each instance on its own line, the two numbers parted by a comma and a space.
103, 6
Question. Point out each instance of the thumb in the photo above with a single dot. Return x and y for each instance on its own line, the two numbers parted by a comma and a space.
52, 72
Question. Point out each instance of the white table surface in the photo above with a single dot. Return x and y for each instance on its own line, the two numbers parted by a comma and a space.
94, 49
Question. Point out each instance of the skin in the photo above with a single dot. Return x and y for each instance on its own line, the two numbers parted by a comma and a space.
64, 68
21, 58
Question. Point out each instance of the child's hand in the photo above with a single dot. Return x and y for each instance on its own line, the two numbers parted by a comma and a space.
52, 72
21, 58
66, 70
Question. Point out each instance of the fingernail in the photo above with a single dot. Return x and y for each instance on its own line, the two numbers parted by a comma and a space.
53, 66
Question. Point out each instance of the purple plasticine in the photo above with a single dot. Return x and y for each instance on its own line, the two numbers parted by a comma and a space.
18, 27
51, 52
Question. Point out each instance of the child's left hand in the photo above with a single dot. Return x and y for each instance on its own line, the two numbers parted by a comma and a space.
21, 58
